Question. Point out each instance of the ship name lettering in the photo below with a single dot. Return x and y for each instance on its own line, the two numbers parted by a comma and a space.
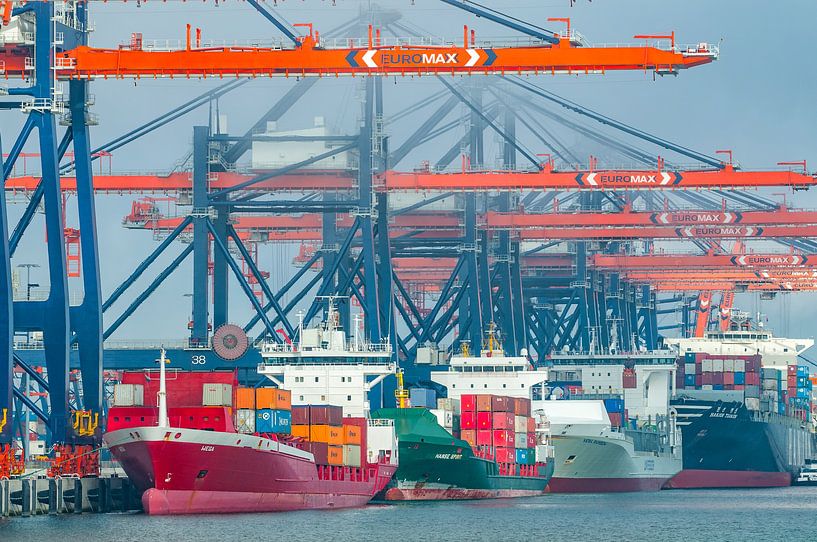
448, 456
208, 448
594, 441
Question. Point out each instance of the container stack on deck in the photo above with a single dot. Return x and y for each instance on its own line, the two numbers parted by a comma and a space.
720, 372
331, 438
764, 389
798, 392
502, 428
263, 410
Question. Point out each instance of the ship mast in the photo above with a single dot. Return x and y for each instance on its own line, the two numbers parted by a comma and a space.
163, 422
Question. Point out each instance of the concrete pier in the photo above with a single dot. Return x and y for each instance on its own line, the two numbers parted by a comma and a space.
32, 496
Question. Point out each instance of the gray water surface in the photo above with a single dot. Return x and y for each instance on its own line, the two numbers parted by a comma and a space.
788, 514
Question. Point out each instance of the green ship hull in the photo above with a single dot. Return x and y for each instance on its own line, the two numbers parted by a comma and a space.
434, 465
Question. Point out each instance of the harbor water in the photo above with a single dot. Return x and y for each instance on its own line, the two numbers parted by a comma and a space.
714, 515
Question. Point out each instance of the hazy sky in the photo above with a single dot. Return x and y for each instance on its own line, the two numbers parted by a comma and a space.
757, 100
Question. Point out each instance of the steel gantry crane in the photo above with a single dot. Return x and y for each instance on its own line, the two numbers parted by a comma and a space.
53, 48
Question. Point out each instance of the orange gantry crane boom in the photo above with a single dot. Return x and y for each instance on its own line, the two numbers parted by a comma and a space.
318, 56
393, 181
703, 261
550, 179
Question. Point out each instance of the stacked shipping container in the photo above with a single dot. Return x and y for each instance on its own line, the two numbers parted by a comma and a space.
769, 390
501, 426
263, 410
332, 439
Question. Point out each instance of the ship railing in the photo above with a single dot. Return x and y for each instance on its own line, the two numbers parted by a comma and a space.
380, 422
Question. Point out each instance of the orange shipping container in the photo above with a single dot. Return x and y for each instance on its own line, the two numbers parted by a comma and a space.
273, 398
300, 431
327, 434
469, 436
335, 455
483, 403
245, 398
351, 434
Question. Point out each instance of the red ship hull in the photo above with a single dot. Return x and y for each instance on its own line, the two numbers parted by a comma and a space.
187, 471
604, 485
706, 479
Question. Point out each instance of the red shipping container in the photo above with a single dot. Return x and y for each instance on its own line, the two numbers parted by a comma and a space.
717, 378
468, 402
363, 425
325, 415
485, 420
503, 437
738, 386
505, 455
469, 436
531, 425
707, 378
531, 440
792, 370
728, 379
204, 418
699, 380
615, 419
483, 403
500, 403
503, 420
522, 406
468, 420
791, 380
484, 438
300, 415
753, 379
321, 452
184, 389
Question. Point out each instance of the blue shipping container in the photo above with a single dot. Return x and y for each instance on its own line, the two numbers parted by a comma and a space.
802, 370
740, 378
689, 380
718, 387
422, 397
617, 405
521, 456
273, 421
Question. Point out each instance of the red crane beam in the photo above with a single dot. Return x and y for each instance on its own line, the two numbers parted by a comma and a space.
550, 179
702, 261
322, 57
685, 218
686, 232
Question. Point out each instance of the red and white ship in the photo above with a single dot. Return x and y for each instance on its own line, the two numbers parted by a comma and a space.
192, 471
191, 460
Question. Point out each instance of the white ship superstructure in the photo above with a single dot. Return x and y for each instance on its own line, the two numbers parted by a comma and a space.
324, 367
492, 372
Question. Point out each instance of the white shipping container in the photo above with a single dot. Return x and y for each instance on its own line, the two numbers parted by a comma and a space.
752, 403
740, 365
128, 395
217, 395
717, 365
728, 365
520, 440
449, 404
448, 419
689, 368
520, 424
706, 366
706, 387
351, 455
245, 421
